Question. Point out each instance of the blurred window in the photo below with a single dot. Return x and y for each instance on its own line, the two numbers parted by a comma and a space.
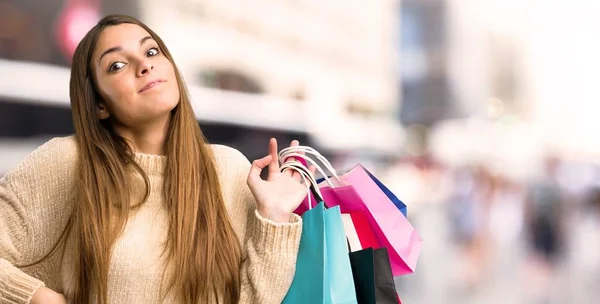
230, 81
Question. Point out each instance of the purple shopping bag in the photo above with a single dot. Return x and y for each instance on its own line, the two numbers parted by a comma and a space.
357, 191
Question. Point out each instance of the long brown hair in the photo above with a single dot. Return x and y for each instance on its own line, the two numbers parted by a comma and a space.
202, 246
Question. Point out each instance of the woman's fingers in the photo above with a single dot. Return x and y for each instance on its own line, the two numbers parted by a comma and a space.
274, 164
257, 167
292, 173
312, 169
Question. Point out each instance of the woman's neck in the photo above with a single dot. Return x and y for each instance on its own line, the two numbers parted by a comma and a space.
149, 139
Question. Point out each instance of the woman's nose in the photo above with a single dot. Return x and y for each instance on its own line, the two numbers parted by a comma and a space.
145, 67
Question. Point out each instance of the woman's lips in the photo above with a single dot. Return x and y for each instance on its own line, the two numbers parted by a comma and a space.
151, 84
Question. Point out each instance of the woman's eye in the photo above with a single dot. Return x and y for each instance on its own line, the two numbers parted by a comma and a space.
152, 52
116, 66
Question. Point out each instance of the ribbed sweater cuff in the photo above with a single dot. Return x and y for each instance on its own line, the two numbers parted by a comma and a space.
15, 285
272, 237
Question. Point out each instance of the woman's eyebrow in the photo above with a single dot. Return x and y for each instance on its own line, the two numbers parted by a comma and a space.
118, 48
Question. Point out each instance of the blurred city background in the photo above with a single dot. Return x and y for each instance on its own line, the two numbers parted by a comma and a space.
479, 114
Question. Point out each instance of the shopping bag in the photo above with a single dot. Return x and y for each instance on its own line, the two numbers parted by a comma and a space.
304, 154
393, 198
351, 234
358, 231
373, 277
323, 271
309, 284
338, 270
357, 192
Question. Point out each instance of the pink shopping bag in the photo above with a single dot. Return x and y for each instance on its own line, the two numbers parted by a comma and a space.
356, 191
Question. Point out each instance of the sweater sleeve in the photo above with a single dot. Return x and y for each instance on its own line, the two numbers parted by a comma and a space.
270, 256
32, 215
269, 249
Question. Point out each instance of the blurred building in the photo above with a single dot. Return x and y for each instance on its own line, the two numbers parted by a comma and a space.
467, 96
343, 50
500, 82
320, 72
331, 62
423, 50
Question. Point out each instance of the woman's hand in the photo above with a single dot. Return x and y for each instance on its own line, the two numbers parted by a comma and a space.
279, 195
46, 295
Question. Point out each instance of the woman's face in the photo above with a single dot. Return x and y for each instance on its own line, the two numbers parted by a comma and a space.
135, 80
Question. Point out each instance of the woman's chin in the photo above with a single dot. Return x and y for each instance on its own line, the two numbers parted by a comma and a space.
164, 106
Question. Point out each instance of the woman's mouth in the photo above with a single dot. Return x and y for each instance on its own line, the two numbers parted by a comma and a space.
151, 85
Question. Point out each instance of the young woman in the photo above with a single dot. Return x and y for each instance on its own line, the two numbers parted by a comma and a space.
137, 207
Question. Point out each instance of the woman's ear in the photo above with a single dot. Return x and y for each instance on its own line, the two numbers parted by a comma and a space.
103, 111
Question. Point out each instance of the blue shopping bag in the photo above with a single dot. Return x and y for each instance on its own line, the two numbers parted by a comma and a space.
323, 270
337, 261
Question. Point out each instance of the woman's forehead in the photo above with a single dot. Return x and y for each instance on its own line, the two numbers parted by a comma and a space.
122, 35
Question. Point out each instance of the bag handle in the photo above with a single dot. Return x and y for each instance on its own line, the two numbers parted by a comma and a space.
307, 175
301, 152
310, 151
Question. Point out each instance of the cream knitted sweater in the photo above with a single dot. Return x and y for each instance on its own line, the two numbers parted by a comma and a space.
37, 196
